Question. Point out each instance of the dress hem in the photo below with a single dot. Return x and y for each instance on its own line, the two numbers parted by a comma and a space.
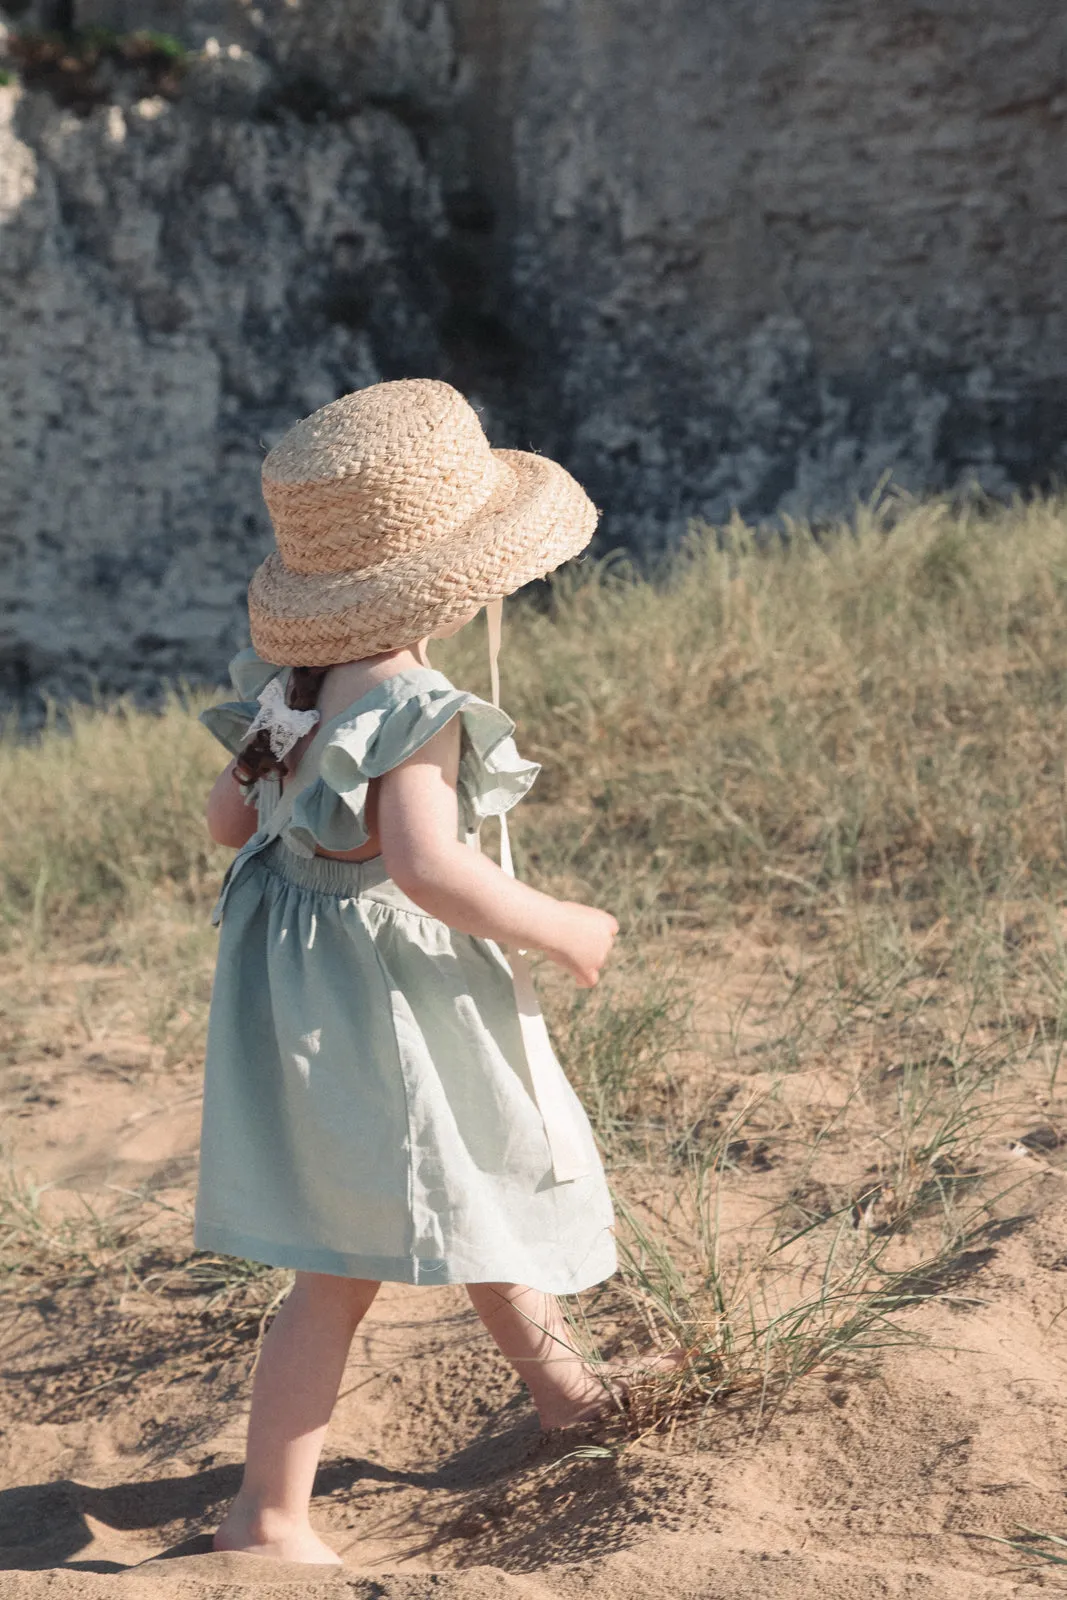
415, 1270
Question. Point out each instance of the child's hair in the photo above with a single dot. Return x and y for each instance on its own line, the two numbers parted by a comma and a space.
257, 760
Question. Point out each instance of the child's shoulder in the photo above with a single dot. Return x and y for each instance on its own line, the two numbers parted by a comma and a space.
404, 712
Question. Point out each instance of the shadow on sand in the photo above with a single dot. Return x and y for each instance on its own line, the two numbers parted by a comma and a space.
45, 1525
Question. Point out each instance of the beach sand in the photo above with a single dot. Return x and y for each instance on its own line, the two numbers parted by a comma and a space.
123, 1403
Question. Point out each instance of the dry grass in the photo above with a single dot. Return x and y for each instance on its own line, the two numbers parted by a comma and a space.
848, 748
880, 710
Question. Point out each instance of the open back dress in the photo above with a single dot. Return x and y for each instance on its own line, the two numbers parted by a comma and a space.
368, 1106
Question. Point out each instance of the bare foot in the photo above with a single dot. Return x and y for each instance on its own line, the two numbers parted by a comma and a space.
605, 1390
272, 1534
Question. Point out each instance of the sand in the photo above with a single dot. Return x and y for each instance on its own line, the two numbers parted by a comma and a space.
122, 1412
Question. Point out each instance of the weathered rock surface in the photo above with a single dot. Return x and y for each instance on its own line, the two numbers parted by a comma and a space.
716, 254
782, 249
178, 283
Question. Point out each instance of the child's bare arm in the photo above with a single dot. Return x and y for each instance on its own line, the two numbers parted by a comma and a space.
229, 820
418, 821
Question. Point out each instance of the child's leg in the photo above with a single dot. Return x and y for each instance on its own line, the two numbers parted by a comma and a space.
530, 1330
296, 1384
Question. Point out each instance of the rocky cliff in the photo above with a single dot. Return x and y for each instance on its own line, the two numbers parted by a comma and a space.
712, 253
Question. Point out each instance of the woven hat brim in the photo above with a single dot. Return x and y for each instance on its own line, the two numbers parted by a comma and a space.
537, 518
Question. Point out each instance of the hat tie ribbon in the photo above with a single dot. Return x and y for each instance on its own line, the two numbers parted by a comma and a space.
552, 1093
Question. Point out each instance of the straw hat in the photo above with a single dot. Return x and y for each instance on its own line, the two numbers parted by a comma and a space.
394, 518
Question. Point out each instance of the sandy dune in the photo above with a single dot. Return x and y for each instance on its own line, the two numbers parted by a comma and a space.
123, 1415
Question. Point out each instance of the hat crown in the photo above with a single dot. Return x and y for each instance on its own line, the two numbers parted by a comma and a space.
380, 472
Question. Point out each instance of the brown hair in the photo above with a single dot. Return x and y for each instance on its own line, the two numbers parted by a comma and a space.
257, 760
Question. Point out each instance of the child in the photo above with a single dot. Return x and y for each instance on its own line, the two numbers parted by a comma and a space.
380, 1099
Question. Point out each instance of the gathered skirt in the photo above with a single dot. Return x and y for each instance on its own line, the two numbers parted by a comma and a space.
368, 1110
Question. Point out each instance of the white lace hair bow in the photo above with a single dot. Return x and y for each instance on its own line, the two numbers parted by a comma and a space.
284, 725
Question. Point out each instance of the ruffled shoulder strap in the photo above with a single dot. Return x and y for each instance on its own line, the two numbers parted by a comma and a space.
230, 721
382, 730
493, 776
250, 674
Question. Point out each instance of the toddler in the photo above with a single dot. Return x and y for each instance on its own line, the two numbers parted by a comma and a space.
381, 1102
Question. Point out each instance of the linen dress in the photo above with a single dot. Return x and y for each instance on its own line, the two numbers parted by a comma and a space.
368, 1107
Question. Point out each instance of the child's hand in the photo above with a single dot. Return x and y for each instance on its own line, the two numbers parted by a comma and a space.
583, 942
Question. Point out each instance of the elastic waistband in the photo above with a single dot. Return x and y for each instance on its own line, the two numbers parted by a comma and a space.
341, 878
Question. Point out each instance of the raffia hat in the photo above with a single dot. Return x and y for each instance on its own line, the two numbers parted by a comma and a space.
394, 518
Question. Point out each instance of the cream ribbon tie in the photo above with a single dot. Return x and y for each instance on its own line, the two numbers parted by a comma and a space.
285, 726
569, 1151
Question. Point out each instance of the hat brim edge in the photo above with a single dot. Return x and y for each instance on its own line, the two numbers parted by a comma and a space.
538, 519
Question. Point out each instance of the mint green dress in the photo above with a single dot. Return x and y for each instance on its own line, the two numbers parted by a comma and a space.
368, 1108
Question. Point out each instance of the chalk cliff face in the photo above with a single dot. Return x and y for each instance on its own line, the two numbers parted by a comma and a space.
709, 252
179, 281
